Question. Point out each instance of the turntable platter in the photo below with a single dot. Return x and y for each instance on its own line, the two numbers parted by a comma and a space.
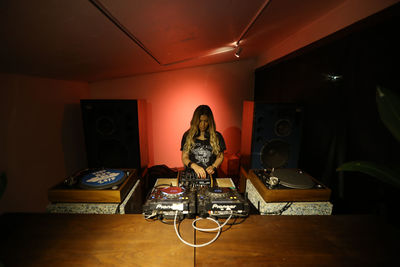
294, 178
172, 190
217, 192
102, 179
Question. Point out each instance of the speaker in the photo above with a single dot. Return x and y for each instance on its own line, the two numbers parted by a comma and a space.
115, 133
271, 135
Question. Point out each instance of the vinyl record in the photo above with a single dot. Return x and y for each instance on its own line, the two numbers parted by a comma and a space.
102, 179
294, 178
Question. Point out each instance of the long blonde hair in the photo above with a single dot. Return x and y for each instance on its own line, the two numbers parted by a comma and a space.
194, 129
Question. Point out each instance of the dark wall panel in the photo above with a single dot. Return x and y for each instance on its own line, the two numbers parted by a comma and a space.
335, 81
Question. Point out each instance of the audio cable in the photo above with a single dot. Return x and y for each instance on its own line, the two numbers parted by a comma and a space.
218, 228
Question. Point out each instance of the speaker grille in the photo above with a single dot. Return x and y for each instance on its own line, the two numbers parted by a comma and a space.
111, 133
283, 127
276, 135
275, 154
105, 125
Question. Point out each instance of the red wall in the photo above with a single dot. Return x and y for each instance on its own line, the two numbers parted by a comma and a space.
41, 137
172, 97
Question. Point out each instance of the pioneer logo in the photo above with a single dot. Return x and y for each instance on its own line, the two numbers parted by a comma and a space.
174, 206
223, 207
163, 207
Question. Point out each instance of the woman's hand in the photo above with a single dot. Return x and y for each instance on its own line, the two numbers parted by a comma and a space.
199, 171
210, 169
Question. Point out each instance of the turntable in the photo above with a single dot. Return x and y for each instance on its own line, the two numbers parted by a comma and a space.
276, 183
94, 186
293, 185
286, 178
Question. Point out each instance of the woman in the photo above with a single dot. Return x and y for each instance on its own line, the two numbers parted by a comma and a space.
202, 146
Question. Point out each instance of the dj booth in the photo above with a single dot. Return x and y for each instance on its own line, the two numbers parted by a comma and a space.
178, 222
296, 194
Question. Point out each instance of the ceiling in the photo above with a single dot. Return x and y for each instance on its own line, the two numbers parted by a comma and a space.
75, 40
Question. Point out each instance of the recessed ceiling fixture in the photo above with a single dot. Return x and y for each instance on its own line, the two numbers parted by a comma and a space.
238, 51
252, 21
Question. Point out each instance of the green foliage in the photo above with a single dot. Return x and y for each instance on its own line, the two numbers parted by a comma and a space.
3, 183
389, 111
382, 172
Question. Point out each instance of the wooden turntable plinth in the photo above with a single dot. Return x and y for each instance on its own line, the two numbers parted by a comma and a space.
73, 194
321, 193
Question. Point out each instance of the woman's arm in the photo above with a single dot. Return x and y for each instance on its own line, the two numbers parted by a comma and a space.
197, 169
185, 158
211, 169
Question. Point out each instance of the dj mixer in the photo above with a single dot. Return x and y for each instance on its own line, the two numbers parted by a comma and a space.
194, 196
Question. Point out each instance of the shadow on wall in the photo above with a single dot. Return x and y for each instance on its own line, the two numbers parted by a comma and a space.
232, 137
73, 142
149, 130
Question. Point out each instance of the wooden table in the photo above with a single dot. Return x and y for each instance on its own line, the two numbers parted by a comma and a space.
129, 240
301, 241
91, 240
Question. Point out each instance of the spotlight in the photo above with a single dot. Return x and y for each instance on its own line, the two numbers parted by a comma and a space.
238, 51
333, 77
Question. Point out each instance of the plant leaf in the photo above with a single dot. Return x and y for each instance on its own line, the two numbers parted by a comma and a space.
382, 172
389, 110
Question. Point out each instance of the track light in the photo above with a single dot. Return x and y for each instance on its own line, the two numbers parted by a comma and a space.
238, 51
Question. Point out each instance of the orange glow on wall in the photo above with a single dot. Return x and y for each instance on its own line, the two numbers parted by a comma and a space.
173, 96
174, 115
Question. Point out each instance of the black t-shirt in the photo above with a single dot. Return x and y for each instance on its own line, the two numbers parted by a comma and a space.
201, 151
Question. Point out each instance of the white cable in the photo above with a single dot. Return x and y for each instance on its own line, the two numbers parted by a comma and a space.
200, 245
210, 229
150, 216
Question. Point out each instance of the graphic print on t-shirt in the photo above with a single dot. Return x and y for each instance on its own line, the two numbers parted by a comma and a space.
202, 153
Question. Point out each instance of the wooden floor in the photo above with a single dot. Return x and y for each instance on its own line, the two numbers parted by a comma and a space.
130, 240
